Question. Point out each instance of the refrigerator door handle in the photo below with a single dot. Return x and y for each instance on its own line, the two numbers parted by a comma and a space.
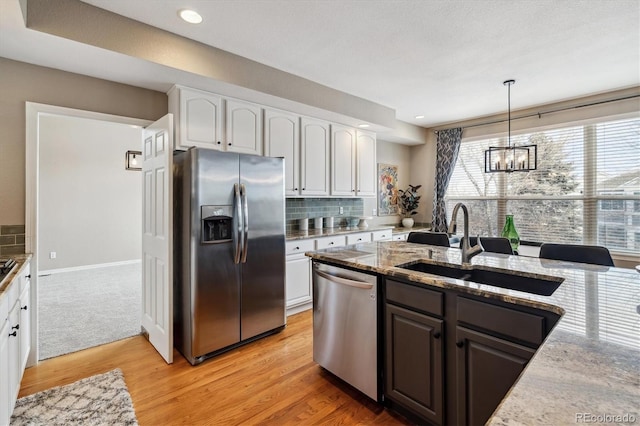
245, 220
237, 238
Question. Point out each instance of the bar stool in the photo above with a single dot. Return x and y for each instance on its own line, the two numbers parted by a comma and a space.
492, 244
595, 255
433, 238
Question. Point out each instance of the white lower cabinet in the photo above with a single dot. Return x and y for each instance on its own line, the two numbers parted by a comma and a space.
299, 293
384, 235
358, 238
5, 385
15, 340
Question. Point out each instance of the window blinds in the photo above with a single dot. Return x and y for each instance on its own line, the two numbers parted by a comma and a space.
586, 189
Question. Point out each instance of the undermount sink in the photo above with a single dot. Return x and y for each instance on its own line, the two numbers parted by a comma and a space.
509, 280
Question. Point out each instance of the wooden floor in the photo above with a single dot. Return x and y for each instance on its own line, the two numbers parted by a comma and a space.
270, 381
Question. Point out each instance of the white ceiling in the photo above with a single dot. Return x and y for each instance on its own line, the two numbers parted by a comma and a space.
445, 60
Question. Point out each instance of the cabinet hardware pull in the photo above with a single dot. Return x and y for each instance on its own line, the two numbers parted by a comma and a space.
24, 308
16, 327
460, 344
304, 189
436, 335
219, 143
229, 143
297, 248
331, 243
295, 189
14, 334
28, 276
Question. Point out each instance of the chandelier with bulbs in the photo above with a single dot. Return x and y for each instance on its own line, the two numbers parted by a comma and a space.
510, 158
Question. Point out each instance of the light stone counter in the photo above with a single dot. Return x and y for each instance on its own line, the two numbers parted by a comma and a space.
588, 366
20, 262
326, 232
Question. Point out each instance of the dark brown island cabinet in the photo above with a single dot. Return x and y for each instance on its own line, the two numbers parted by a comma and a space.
451, 357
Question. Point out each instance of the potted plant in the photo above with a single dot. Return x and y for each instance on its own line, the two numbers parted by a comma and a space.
409, 201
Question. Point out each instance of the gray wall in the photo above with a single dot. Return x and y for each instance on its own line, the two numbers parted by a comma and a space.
399, 155
90, 207
22, 82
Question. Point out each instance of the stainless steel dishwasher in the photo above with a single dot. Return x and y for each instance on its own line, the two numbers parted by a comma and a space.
345, 329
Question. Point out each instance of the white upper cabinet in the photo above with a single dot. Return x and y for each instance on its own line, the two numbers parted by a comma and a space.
314, 157
282, 139
366, 170
243, 127
321, 159
343, 161
198, 118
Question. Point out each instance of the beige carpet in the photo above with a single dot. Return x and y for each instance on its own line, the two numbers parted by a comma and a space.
96, 400
82, 309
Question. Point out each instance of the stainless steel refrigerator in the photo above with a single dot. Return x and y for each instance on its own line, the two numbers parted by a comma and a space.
229, 256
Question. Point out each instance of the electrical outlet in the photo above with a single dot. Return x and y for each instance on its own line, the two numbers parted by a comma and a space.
52, 255
341, 210
374, 212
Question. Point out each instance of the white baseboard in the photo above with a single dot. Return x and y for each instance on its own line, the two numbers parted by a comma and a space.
86, 267
299, 308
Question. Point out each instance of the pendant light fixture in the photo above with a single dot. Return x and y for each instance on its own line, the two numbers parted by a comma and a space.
510, 158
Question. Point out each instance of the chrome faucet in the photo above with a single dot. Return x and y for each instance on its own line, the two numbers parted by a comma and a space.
467, 251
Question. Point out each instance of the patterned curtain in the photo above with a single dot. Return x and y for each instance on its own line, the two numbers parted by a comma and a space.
447, 149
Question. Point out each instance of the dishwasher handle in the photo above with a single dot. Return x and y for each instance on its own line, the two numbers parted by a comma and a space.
345, 281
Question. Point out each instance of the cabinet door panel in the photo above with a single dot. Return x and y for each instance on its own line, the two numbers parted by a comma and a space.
15, 372
5, 386
25, 325
366, 164
298, 281
487, 367
314, 167
199, 119
282, 139
343, 150
244, 127
414, 368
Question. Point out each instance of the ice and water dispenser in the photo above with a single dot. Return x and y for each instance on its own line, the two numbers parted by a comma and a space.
217, 224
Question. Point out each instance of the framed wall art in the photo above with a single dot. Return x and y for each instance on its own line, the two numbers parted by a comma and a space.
387, 189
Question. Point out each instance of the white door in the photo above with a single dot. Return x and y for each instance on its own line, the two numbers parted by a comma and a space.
157, 219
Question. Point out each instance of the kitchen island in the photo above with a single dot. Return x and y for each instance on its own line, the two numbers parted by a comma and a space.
586, 370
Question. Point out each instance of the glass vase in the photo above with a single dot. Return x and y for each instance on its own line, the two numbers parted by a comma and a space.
509, 232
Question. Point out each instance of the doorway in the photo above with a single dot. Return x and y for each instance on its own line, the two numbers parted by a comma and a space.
83, 228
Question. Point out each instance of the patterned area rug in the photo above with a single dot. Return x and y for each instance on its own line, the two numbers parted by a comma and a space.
97, 400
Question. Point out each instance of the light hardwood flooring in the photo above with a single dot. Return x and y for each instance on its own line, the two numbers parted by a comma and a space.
270, 381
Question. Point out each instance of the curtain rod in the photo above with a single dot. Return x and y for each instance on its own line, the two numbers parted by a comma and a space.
540, 114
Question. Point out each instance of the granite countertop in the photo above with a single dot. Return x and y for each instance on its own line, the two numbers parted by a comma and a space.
20, 261
589, 365
327, 232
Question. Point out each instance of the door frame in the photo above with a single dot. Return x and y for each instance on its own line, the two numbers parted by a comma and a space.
33, 112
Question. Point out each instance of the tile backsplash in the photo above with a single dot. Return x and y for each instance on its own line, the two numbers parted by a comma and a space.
299, 208
11, 240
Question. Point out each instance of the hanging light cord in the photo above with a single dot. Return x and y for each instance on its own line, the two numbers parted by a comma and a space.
508, 83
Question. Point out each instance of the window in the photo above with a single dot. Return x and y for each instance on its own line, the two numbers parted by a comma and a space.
586, 189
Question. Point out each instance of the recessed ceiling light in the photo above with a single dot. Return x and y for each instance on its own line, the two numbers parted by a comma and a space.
190, 16
364, 126
419, 116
